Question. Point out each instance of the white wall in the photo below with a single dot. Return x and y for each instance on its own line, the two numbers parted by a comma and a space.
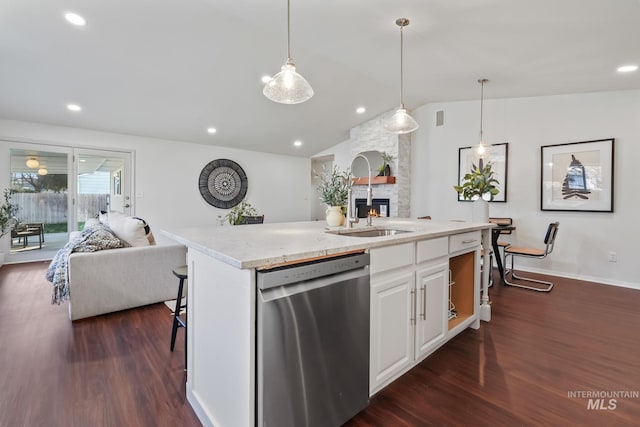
585, 238
166, 174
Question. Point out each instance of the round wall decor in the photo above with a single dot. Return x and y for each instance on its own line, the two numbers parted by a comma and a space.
223, 183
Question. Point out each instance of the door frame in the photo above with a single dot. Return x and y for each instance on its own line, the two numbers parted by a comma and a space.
128, 185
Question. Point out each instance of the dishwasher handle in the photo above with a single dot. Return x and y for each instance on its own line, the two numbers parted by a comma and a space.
285, 291
302, 272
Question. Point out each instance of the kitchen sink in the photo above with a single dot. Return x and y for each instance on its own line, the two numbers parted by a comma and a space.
373, 233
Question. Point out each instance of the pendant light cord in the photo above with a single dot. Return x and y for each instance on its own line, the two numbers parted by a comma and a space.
481, 106
288, 30
401, 67
482, 82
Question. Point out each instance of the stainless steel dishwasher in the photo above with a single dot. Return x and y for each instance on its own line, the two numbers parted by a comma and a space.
313, 342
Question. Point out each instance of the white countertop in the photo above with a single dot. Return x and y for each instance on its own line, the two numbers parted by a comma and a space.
260, 245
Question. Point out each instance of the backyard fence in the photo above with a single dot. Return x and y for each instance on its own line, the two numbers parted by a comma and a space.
51, 208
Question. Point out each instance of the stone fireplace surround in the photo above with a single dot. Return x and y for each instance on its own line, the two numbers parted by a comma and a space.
372, 136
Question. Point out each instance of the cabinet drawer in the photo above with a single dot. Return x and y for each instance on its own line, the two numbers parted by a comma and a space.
469, 240
431, 249
390, 257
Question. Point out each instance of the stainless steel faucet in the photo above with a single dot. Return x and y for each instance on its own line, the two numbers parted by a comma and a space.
351, 219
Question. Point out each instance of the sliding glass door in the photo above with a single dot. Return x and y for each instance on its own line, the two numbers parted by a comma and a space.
57, 189
41, 186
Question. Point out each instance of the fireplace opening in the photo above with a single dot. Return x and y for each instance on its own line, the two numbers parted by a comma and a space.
381, 206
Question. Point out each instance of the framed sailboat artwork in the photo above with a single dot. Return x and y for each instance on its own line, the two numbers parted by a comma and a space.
577, 176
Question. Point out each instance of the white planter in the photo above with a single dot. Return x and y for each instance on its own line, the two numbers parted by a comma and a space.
480, 211
334, 216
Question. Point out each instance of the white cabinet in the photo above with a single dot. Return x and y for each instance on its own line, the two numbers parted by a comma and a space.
432, 298
391, 339
410, 296
408, 307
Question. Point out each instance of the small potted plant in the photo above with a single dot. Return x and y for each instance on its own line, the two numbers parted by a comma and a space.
476, 184
241, 213
334, 189
8, 213
8, 218
385, 168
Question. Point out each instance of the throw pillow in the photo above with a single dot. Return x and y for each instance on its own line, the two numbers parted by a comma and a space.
103, 217
129, 229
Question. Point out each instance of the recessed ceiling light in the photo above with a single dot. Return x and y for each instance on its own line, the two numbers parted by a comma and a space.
74, 107
212, 130
75, 19
360, 110
627, 68
297, 143
266, 79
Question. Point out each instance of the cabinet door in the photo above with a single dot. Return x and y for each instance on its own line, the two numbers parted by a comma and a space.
392, 336
432, 300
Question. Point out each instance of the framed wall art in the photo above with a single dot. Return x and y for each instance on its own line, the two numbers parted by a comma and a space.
496, 154
577, 176
223, 183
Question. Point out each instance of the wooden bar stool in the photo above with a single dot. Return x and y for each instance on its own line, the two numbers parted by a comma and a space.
178, 321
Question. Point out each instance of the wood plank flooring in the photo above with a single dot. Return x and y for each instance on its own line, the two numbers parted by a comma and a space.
517, 370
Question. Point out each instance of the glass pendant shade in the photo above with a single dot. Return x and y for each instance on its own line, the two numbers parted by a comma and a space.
481, 150
400, 122
33, 163
42, 171
288, 87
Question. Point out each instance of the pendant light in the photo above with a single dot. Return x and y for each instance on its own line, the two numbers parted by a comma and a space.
288, 87
481, 149
401, 122
33, 163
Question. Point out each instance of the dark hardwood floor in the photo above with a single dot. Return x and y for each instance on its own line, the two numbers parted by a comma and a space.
517, 370
112, 370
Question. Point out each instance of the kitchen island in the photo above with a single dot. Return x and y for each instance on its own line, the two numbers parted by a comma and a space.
425, 288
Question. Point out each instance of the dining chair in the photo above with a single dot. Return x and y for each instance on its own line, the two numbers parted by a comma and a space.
502, 222
255, 219
514, 251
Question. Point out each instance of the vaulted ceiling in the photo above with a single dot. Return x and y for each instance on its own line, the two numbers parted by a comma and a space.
171, 69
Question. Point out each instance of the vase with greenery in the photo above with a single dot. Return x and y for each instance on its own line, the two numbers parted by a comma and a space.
385, 168
334, 190
8, 213
476, 184
239, 212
